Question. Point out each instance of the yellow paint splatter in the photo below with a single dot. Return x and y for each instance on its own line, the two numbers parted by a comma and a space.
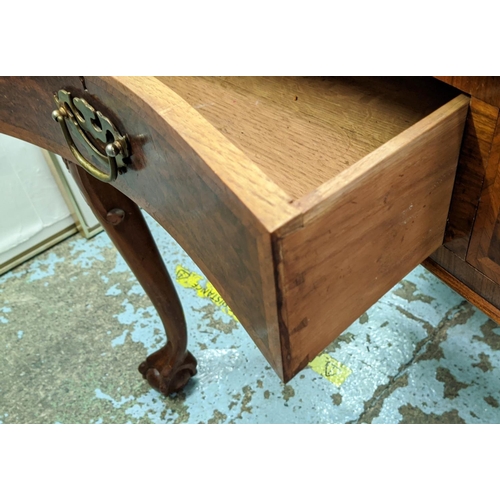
190, 279
330, 368
324, 364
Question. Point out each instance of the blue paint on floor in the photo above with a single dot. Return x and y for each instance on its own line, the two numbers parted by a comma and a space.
420, 354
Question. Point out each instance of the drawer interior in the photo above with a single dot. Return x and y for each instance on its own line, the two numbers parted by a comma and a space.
303, 131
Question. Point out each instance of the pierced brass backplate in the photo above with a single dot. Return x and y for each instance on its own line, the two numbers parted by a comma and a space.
96, 131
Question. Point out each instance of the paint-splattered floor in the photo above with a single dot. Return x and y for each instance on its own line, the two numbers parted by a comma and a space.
75, 324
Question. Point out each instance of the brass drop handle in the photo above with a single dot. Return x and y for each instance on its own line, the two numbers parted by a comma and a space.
87, 122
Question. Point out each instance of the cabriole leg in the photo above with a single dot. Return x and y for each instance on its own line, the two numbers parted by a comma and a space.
169, 369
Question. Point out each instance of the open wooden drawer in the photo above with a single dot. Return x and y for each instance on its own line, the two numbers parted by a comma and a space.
303, 200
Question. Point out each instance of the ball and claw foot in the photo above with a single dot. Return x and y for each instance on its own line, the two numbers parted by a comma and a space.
168, 375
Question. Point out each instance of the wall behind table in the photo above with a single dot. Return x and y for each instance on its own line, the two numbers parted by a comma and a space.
33, 212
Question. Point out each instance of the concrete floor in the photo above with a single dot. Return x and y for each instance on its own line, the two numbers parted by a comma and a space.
75, 324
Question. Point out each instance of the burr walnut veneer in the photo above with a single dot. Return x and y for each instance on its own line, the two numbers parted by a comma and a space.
303, 200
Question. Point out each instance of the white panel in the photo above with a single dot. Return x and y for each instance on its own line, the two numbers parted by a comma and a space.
30, 201
18, 218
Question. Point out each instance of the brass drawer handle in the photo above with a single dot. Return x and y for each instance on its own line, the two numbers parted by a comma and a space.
86, 121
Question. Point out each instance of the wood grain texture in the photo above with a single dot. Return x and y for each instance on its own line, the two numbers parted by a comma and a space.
363, 231
485, 88
302, 131
469, 277
466, 291
472, 162
484, 248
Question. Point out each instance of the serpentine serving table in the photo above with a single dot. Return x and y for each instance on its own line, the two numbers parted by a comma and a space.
303, 200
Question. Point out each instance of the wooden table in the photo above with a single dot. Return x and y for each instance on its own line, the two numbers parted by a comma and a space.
303, 200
